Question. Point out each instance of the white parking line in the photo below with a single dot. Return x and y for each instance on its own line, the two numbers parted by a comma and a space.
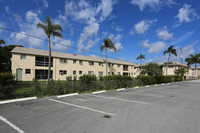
10, 124
114, 98
82, 107
148, 95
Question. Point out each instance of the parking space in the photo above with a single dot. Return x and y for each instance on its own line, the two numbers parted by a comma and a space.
169, 108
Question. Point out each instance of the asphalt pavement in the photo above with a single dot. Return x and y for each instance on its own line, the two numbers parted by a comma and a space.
167, 108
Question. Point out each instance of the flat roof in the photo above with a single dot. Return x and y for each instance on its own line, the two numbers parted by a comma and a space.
38, 52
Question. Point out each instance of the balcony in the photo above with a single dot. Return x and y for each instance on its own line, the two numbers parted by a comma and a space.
125, 68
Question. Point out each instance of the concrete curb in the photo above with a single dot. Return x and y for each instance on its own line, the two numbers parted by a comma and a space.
18, 100
67, 95
97, 92
120, 89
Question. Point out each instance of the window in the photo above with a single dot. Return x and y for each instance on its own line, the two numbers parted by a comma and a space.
100, 73
74, 72
109, 64
43, 61
91, 63
100, 64
63, 60
131, 73
80, 72
42, 74
23, 57
171, 66
118, 65
80, 62
112, 65
62, 72
112, 73
118, 73
108, 73
74, 61
28, 71
90, 72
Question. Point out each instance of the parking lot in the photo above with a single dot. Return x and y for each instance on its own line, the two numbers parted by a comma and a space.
164, 108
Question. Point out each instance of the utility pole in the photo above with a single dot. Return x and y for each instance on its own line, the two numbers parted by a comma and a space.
182, 63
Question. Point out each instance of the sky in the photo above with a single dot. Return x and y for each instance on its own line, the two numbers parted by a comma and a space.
136, 27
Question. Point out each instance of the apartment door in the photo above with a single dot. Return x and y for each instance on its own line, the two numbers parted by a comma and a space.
19, 74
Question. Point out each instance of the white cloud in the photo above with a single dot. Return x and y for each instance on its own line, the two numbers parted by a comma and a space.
105, 8
104, 34
152, 4
157, 47
84, 12
187, 50
164, 34
117, 41
145, 44
61, 45
7, 9
2, 24
118, 28
186, 14
29, 27
88, 32
142, 26
183, 37
45, 4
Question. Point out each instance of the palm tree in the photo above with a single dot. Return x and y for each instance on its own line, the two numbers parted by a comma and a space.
170, 50
193, 59
141, 56
2, 42
50, 29
108, 44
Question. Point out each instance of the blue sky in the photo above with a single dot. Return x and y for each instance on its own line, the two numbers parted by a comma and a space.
135, 26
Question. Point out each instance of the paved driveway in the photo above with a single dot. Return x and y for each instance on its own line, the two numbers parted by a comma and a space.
168, 108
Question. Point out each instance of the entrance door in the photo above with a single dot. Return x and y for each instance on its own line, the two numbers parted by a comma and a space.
19, 74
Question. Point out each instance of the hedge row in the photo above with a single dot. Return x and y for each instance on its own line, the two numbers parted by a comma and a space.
148, 80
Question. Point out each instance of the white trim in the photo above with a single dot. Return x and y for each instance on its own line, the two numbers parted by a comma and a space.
82, 107
67, 95
17, 100
98, 92
11, 125
120, 89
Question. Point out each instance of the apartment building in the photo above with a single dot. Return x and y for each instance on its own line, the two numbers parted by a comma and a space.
172, 67
29, 64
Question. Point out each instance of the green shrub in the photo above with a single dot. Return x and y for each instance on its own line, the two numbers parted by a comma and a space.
148, 80
7, 83
88, 78
69, 78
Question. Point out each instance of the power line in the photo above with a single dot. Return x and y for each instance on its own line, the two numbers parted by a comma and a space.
54, 42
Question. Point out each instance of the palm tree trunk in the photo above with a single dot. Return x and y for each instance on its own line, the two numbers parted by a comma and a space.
167, 64
140, 64
49, 61
106, 62
195, 70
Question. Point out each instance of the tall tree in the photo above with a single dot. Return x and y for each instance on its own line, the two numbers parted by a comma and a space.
2, 42
193, 59
140, 57
152, 69
171, 50
50, 30
108, 44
